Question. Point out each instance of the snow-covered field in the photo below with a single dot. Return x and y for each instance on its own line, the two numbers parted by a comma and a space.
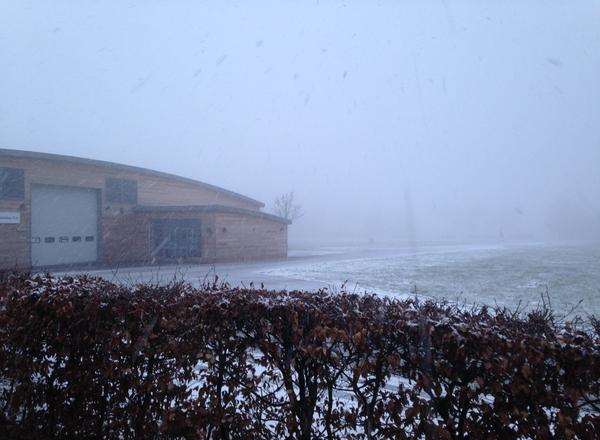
491, 274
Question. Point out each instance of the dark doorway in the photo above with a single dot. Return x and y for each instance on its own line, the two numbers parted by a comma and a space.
175, 238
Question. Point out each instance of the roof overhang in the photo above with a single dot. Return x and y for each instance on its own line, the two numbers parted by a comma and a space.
210, 209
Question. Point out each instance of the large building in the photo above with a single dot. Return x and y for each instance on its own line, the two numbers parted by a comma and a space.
61, 210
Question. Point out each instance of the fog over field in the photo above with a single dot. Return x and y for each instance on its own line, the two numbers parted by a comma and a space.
390, 120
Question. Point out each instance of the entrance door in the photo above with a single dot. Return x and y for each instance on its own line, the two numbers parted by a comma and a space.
64, 225
175, 238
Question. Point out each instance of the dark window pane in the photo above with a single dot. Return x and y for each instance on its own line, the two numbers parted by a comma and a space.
76, 238
121, 191
12, 183
89, 238
49, 240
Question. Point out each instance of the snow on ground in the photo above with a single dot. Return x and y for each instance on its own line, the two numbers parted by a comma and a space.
493, 274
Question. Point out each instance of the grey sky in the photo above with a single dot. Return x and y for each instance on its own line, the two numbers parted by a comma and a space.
390, 119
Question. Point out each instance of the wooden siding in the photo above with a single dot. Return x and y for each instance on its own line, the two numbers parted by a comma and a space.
152, 190
245, 238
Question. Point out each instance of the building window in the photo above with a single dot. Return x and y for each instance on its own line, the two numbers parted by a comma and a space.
175, 238
121, 191
12, 184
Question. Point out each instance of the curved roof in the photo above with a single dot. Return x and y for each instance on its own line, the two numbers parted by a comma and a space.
24, 154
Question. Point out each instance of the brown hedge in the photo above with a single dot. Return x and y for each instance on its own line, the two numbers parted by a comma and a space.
84, 358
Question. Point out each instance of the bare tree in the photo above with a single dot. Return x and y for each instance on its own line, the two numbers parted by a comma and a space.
285, 206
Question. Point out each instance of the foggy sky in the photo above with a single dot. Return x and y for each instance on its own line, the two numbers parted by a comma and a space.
390, 120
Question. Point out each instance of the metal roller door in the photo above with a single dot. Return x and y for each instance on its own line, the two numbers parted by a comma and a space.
64, 225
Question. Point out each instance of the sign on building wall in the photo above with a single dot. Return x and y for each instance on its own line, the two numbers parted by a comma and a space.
10, 217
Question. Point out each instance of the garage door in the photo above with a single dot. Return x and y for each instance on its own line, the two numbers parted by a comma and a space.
64, 225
